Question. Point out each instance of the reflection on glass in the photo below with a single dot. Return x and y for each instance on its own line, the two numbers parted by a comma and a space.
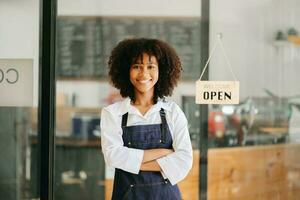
255, 121
254, 145
86, 34
79, 171
19, 170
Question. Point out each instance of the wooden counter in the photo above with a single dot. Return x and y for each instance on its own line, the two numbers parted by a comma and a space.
189, 187
242, 173
255, 172
259, 172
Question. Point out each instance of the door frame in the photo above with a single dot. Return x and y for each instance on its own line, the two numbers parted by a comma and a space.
46, 105
203, 123
47, 98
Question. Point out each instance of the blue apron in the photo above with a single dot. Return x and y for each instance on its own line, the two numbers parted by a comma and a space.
146, 185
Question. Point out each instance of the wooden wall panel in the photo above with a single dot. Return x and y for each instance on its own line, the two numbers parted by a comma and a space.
260, 172
108, 188
189, 187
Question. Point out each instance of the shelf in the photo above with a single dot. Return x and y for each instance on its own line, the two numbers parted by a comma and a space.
291, 41
294, 39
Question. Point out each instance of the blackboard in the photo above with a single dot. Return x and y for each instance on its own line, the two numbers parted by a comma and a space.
84, 43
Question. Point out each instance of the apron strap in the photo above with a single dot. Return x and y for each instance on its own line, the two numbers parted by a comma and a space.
124, 119
163, 125
124, 124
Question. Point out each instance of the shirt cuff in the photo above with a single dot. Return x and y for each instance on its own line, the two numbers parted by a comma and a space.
167, 170
163, 175
134, 161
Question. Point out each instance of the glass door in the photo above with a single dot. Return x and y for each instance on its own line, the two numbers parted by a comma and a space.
254, 146
19, 81
86, 33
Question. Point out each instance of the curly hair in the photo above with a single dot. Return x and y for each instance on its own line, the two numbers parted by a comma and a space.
129, 50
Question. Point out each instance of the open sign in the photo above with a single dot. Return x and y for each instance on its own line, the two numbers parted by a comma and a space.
217, 92
16, 82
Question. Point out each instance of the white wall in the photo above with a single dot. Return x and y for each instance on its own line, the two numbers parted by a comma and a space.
248, 26
19, 33
130, 7
249, 29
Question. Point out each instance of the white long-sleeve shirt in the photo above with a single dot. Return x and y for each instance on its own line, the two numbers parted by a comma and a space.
175, 166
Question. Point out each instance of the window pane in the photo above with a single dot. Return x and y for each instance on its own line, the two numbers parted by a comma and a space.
86, 34
19, 25
262, 43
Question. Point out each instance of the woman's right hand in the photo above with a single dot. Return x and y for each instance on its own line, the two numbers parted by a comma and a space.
153, 154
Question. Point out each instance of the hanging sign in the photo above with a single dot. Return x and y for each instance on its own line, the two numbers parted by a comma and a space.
217, 92
16, 82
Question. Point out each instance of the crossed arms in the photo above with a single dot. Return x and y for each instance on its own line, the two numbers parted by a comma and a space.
149, 159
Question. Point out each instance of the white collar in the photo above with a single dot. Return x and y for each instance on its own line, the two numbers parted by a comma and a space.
127, 107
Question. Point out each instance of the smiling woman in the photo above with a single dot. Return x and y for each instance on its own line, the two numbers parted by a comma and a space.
145, 137
132, 56
143, 76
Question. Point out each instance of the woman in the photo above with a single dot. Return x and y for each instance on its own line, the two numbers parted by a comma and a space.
144, 136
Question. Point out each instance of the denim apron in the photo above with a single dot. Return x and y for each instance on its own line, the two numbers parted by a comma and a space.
146, 185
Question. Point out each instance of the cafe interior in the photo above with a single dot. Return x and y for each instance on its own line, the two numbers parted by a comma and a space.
241, 151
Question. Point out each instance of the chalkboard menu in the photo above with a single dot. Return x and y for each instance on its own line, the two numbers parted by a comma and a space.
84, 43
